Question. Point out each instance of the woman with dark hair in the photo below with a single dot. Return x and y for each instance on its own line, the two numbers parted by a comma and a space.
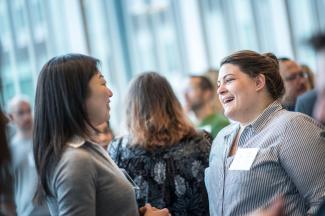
162, 153
75, 173
269, 151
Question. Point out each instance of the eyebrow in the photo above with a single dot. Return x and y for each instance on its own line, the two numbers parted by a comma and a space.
223, 78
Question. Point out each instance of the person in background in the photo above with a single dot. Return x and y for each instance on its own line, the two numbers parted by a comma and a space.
76, 175
295, 82
306, 102
212, 75
23, 165
200, 99
250, 162
310, 76
163, 154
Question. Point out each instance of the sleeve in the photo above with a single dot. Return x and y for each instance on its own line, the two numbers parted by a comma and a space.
75, 184
302, 156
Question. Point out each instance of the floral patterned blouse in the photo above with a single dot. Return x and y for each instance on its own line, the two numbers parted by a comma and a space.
170, 177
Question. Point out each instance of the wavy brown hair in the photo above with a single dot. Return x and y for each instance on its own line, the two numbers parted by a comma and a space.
154, 115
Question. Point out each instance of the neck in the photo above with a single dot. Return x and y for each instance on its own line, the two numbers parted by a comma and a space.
204, 111
25, 134
252, 116
93, 136
288, 101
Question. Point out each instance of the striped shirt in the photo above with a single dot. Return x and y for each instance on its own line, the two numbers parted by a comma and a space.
290, 161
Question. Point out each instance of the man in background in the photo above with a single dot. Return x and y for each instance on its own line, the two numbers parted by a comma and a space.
200, 99
295, 82
21, 146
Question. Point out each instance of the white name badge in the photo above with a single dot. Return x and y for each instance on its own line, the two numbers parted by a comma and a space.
244, 159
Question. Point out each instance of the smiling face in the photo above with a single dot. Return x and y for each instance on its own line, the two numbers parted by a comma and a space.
238, 93
97, 103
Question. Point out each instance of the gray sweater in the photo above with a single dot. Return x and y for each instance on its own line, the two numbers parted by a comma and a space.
87, 182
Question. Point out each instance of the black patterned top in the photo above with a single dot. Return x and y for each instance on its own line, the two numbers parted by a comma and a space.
170, 177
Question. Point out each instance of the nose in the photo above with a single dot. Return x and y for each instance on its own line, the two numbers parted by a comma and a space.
109, 92
221, 89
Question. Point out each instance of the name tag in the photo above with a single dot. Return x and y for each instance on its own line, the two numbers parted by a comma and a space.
244, 159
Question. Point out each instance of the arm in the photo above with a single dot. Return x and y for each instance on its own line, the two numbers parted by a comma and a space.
75, 184
302, 156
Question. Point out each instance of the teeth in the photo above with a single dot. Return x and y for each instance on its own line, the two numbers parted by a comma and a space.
227, 100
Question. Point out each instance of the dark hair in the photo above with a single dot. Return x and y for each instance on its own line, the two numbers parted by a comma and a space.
205, 83
5, 158
60, 110
4, 150
253, 64
317, 41
154, 115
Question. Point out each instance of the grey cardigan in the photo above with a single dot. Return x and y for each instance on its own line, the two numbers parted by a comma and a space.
87, 182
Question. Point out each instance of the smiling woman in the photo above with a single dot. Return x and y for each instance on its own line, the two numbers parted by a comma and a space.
76, 174
269, 151
245, 78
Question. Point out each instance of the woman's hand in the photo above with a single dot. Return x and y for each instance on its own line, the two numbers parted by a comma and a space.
148, 210
275, 209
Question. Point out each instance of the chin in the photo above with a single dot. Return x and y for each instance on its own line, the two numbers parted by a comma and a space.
227, 113
231, 115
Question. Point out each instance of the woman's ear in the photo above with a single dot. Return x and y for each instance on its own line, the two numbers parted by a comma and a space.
260, 82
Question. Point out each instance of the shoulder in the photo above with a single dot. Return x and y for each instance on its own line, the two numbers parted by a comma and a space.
298, 128
290, 119
75, 160
310, 95
199, 139
194, 145
306, 102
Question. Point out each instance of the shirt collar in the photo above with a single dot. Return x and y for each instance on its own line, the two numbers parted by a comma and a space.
77, 142
264, 117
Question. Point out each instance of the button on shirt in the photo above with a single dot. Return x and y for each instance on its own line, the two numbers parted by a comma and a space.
289, 162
